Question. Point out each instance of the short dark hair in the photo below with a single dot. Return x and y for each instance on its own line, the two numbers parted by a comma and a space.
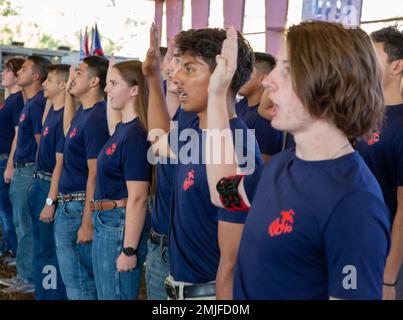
40, 65
207, 43
392, 40
264, 62
98, 67
62, 70
14, 64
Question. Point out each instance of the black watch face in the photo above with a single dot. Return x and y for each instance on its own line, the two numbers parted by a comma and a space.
129, 251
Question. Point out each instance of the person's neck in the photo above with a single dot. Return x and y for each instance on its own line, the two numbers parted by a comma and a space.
392, 94
58, 101
321, 141
14, 89
254, 98
89, 99
128, 114
32, 90
230, 110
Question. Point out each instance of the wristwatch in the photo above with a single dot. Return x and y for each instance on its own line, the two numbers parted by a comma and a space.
129, 251
50, 202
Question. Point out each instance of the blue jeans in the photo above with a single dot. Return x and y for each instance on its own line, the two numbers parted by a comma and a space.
107, 246
75, 260
19, 196
48, 281
6, 212
157, 269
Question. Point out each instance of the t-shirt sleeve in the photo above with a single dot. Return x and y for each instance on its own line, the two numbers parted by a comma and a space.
269, 140
356, 244
95, 136
36, 113
232, 216
135, 162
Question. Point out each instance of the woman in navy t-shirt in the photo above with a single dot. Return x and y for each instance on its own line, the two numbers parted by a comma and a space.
122, 187
318, 227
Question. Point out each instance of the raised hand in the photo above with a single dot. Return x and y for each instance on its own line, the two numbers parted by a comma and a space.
72, 75
168, 57
151, 64
222, 76
112, 62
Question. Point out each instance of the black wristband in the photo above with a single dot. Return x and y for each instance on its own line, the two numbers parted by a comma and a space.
390, 284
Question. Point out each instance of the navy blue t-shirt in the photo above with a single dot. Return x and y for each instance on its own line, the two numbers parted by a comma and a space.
86, 136
313, 226
268, 139
194, 252
123, 158
51, 142
9, 118
30, 124
383, 153
165, 172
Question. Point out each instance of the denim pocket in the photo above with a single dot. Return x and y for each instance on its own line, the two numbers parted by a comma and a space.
112, 219
73, 208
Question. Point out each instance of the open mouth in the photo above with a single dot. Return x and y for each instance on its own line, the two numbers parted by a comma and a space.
182, 96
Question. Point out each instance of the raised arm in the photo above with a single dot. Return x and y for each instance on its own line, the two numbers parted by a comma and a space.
171, 98
218, 120
70, 104
158, 116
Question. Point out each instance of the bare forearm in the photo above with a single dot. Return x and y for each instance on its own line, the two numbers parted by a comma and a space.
224, 282
218, 148
54, 185
10, 162
158, 116
69, 110
89, 196
134, 223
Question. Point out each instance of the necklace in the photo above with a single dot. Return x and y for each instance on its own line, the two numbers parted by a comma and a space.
336, 153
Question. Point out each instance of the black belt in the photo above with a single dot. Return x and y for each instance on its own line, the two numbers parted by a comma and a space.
190, 291
160, 239
78, 196
43, 175
18, 165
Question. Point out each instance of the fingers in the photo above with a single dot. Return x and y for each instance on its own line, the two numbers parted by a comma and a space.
72, 71
112, 60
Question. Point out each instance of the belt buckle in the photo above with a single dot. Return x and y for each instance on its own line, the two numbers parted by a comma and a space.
170, 289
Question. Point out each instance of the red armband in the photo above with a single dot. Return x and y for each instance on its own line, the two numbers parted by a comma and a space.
229, 195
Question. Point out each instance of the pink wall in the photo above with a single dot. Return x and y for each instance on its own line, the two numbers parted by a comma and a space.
234, 11
174, 17
200, 13
276, 17
159, 4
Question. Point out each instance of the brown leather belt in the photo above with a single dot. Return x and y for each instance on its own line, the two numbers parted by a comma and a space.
103, 205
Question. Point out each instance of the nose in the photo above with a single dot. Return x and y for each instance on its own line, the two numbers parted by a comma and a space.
107, 88
269, 81
177, 76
